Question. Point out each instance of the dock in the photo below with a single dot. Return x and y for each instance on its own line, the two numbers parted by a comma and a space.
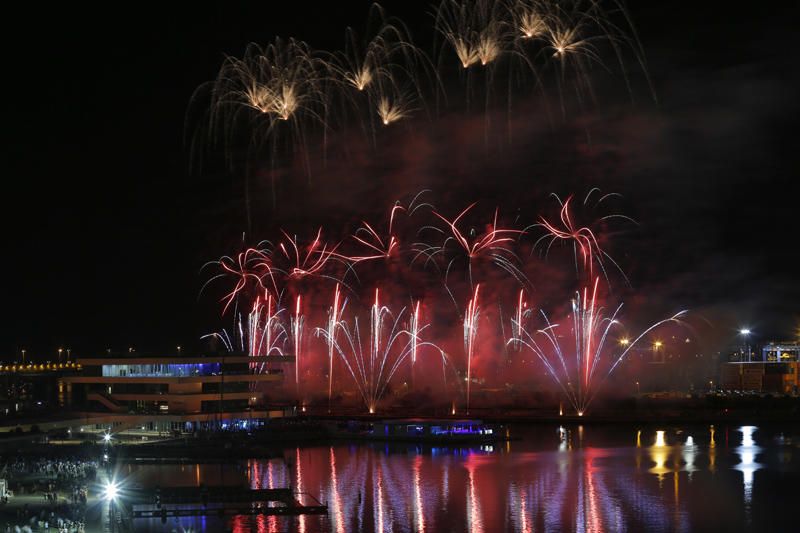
219, 501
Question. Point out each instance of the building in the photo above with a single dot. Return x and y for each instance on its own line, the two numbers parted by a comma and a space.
781, 352
178, 393
777, 370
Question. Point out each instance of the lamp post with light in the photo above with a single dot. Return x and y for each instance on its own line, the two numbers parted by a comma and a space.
656, 348
107, 438
745, 333
110, 495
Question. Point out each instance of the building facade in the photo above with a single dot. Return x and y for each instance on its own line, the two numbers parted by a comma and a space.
776, 370
178, 393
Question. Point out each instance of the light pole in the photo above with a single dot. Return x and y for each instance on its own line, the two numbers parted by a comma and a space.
23, 356
656, 347
745, 333
68, 351
59, 354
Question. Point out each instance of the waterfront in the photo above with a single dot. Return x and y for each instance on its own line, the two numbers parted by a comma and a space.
576, 478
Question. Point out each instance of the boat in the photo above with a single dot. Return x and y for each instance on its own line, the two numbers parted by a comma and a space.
440, 431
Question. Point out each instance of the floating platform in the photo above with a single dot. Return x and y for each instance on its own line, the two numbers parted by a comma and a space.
218, 500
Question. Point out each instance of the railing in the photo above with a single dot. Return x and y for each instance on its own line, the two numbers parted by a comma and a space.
106, 400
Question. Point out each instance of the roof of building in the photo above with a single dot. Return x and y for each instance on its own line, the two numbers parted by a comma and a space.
184, 360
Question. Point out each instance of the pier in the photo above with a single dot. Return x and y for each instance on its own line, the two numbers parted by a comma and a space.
221, 501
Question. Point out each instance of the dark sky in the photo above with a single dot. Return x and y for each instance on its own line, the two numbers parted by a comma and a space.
106, 229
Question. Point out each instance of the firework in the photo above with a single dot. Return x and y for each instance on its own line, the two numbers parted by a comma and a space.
298, 261
247, 268
414, 328
334, 316
413, 331
282, 82
521, 312
585, 243
263, 333
298, 322
387, 347
471, 317
474, 30
386, 69
391, 110
267, 105
531, 18
375, 242
583, 238
274, 100
279, 284
375, 245
494, 244
571, 36
267, 336
593, 361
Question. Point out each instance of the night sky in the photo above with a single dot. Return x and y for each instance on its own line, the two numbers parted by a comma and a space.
106, 229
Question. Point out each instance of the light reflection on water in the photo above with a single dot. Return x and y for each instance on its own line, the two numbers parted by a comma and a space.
748, 465
559, 479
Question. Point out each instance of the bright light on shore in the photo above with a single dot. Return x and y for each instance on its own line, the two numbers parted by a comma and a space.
111, 491
107, 437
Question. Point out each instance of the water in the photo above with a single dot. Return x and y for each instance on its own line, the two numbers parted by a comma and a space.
573, 478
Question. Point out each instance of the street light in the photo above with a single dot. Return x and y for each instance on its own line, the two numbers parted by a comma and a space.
656, 346
637, 388
745, 333
23, 356
111, 491
624, 341
59, 354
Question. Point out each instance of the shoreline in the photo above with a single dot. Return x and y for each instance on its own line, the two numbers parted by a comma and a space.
314, 427
221, 448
